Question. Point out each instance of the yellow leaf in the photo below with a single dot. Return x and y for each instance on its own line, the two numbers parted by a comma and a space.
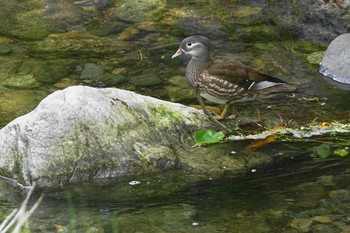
325, 125
256, 144
341, 152
278, 127
59, 228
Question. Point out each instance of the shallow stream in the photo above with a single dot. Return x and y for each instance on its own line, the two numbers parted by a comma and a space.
87, 43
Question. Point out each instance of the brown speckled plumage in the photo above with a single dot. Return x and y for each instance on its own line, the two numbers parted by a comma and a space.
225, 81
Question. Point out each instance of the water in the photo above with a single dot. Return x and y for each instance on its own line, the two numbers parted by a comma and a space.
299, 194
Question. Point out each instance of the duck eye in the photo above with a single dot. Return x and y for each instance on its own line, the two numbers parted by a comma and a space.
189, 44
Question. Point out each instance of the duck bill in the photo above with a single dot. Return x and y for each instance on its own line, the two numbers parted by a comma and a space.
179, 52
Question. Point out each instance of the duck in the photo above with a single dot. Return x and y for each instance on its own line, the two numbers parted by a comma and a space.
225, 82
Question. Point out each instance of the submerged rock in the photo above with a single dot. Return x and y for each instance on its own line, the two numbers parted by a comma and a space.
145, 80
4, 49
22, 82
26, 20
336, 61
88, 134
46, 71
134, 10
92, 71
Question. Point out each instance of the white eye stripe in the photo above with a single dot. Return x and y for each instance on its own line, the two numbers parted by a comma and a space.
191, 44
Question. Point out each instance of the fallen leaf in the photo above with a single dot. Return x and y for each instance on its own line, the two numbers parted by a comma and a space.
341, 152
325, 125
208, 136
59, 228
256, 144
322, 150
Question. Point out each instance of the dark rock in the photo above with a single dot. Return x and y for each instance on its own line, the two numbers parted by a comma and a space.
26, 20
308, 19
134, 10
4, 49
92, 71
112, 79
145, 80
22, 82
49, 71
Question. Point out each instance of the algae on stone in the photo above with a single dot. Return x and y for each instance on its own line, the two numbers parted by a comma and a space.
135, 10
22, 82
25, 20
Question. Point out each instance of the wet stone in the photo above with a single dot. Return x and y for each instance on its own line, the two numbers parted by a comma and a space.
245, 11
180, 94
301, 224
342, 226
340, 194
92, 71
22, 82
323, 228
315, 58
145, 80
178, 80
26, 20
112, 79
128, 33
4, 49
135, 10
321, 219
49, 71
66, 82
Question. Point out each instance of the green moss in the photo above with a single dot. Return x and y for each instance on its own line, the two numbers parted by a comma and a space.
134, 10
304, 46
14, 167
257, 33
164, 116
245, 11
315, 58
89, 151
24, 19
22, 82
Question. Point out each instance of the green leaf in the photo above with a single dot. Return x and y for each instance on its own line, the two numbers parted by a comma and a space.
323, 150
341, 152
208, 136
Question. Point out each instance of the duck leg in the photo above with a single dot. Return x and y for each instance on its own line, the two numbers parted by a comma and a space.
229, 112
215, 121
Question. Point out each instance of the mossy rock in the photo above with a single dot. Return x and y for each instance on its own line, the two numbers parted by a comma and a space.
24, 20
4, 49
22, 82
49, 71
135, 10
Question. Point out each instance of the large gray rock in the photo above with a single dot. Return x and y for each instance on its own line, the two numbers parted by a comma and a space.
88, 134
336, 61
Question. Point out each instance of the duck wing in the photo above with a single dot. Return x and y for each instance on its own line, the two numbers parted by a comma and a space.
243, 76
